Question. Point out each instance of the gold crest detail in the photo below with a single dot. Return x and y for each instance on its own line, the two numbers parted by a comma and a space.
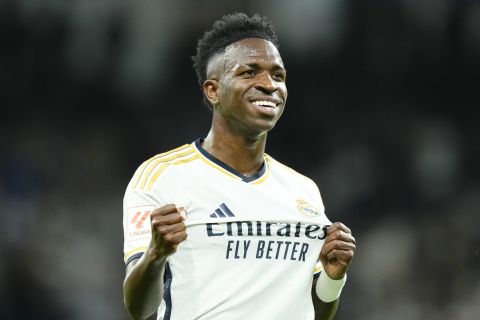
307, 209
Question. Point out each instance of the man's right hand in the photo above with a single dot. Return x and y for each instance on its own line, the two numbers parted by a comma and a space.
168, 230
143, 285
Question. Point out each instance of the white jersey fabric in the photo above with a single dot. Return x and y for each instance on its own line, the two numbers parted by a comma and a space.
253, 243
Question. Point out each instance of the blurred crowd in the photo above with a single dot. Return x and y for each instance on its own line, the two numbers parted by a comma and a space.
382, 114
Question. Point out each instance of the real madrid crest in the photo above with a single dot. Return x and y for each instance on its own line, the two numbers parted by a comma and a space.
307, 209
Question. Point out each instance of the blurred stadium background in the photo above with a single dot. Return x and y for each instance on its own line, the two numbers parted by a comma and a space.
382, 113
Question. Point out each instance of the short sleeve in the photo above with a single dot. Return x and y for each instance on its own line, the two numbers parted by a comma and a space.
319, 202
137, 206
318, 199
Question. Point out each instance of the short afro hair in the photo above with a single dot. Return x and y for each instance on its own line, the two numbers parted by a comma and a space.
229, 29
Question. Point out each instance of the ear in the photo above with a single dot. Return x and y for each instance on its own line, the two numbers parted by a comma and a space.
211, 91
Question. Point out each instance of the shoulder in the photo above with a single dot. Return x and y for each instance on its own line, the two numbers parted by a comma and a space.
309, 200
149, 171
288, 172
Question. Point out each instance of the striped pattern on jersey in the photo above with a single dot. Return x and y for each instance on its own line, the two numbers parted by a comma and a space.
148, 173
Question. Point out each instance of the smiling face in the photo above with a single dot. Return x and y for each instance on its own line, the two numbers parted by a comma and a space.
247, 87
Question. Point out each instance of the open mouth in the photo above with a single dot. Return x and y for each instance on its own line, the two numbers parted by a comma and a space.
267, 108
265, 104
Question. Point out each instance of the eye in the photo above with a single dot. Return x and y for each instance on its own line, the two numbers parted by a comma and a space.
279, 76
249, 73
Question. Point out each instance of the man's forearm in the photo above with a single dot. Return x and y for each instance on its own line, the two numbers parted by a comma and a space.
143, 287
323, 310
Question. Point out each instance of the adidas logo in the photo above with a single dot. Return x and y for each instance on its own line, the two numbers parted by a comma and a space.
222, 212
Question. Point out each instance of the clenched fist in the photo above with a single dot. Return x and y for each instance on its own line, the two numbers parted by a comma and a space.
168, 230
338, 250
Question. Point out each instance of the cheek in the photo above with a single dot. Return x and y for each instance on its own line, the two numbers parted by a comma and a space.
237, 92
284, 90
228, 89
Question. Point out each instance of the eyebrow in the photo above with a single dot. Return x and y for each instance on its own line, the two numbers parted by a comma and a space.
255, 65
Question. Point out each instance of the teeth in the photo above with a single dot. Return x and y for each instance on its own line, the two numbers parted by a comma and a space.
265, 103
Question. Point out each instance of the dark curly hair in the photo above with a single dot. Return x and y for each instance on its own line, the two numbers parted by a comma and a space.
229, 29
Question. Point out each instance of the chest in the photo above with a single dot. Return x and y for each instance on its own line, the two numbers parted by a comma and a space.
210, 197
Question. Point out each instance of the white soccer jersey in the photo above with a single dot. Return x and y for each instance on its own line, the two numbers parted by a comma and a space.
253, 243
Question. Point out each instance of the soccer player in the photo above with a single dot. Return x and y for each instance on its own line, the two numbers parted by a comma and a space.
217, 229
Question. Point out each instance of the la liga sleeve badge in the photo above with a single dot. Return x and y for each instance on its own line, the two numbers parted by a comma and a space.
138, 223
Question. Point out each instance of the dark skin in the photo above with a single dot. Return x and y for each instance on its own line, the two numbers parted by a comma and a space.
336, 255
247, 89
143, 285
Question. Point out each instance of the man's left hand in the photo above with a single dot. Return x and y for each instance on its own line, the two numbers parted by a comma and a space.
338, 250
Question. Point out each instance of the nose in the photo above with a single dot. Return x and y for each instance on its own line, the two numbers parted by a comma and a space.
265, 83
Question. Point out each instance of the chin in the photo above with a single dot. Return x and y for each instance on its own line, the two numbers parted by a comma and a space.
262, 128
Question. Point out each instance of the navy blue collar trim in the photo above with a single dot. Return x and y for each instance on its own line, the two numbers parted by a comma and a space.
258, 174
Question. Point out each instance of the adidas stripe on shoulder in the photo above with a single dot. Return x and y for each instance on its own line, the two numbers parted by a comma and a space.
148, 173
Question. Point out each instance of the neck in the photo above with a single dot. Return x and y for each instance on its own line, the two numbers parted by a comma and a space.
243, 154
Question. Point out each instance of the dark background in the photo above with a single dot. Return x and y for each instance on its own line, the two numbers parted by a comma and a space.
382, 114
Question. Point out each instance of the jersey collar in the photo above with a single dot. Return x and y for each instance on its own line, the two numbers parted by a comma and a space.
259, 176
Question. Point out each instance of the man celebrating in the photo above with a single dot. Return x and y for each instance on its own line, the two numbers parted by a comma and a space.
259, 245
